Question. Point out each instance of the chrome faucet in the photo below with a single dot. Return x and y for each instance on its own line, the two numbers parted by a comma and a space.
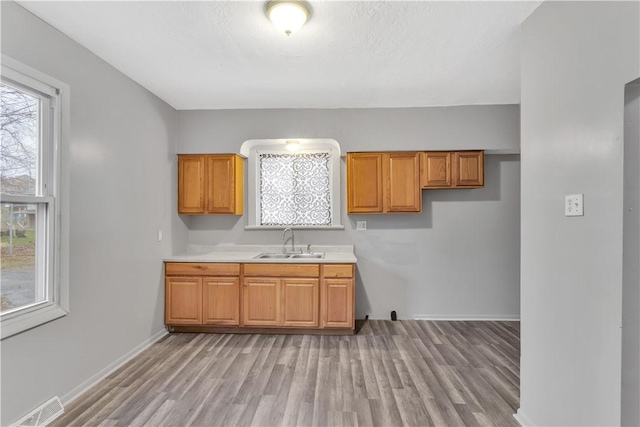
292, 238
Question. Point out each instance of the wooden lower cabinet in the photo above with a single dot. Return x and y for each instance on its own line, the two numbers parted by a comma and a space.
202, 294
281, 302
276, 298
183, 301
261, 297
300, 302
337, 303
221, 301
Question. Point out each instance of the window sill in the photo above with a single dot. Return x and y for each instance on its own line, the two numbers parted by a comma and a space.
295, 227
21, 322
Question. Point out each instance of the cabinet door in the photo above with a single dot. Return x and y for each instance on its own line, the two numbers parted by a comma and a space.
261, 302
364, 183
221, 300
403, 182
337, 303
191, 184
224, 184
300, 302
435, 169
183, 301
468, 168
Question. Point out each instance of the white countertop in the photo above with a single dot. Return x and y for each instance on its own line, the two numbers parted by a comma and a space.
247, 253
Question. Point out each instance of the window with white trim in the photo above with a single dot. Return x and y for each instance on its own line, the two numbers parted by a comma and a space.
298, 189
30, 134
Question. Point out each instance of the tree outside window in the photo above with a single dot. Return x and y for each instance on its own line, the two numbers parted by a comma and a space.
34, 125
19, 141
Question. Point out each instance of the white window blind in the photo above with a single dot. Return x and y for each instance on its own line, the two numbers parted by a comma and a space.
295, 189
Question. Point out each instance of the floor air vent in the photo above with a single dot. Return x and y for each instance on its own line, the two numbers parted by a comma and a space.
42, 415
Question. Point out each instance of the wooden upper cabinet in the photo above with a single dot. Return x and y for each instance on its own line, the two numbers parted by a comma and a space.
210, 184
402, 182
435, 169
468, 169
364, 183
452, 169
383, 182
224, 176
191, 184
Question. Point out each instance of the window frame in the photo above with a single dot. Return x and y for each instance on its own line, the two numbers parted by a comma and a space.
51, 190
254, 148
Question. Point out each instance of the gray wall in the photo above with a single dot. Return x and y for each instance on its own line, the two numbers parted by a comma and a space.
576, 59
631, 259
458, 258
122, 187
491, 127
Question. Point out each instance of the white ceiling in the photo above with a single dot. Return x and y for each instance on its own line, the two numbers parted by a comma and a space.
225, 55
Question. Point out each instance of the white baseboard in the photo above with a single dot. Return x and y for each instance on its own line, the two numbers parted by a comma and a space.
522, 419
102, 374
474, 317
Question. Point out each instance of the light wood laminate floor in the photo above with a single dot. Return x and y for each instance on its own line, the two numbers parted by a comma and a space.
404, 373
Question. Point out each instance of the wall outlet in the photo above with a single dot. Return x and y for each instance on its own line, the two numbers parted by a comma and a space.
361, 225
573, 205
159, 235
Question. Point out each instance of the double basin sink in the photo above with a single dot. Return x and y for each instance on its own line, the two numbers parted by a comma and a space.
275, 255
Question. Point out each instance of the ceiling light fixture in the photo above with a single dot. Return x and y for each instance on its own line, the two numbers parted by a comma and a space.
292, 145
288, 15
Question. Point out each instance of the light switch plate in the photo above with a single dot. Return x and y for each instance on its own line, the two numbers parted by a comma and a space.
574, 205
361, 225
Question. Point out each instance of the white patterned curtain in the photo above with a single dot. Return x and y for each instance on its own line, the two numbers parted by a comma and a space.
294, 189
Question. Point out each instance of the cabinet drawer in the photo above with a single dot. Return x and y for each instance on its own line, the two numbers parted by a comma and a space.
201, 269
282, 270
338, 270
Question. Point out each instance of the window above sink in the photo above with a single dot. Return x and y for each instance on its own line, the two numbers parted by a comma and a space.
298, 189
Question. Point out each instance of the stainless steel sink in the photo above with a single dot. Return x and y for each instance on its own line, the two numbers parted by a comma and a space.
308, 256
272, 256
275, 255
